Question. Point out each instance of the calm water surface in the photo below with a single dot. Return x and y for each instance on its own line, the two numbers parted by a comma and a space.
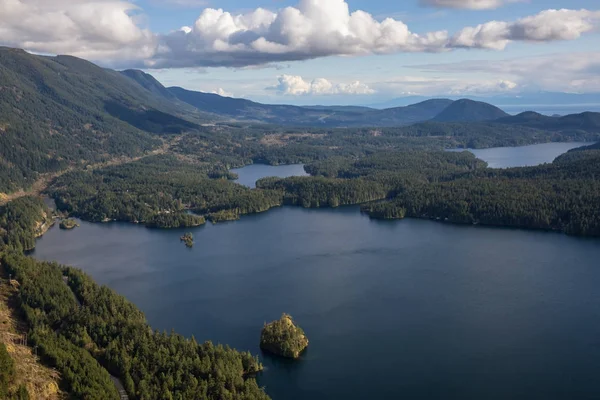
524, 156
248, 175
409, 309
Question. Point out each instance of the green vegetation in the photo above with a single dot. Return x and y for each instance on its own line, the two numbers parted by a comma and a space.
52, 115
8, 376
188, 239
68, 223
283, 338
456, 187
175, 220
561, 196
85, 330
7, 371
470, 111
21, 221
157, 191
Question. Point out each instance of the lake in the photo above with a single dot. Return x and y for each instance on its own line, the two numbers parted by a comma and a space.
523, 156
248, 175
393, 309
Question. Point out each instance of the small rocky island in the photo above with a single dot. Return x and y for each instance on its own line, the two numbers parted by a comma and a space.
68, 223
283, 338
188, 239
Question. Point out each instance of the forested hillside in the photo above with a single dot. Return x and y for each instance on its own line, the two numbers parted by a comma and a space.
469, 111
587, 121
86, 331
57, 112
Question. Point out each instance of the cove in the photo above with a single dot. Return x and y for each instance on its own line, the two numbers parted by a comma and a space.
409, 309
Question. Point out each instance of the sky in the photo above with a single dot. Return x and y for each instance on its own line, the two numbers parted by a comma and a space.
325, 51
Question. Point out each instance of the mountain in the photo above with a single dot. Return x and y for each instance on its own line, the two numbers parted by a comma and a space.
327, 116
466, 110
527, 117
57, 112
587, 121
529, 100
149, 82
339, 108
419, 112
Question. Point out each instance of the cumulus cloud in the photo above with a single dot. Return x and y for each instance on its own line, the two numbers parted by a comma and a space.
318, 29
110, 31
549, 25
467, 4
296, 85
99, 29
313, 29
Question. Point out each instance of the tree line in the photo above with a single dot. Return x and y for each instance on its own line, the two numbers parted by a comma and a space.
86, 331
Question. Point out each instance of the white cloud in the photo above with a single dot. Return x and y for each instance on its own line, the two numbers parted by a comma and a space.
99, 29
181, 3
549, 25
467, 4
313, 29
483, 87
110, 31
320, 29
296, 85
222, 92
571, 72
445, 86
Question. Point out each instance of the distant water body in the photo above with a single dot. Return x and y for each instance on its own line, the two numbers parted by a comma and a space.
248, 175
408, 309
524, 156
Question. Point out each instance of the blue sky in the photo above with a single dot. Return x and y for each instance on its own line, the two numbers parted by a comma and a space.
319, 52
376, 70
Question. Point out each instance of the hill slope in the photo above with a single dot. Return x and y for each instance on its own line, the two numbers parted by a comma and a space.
57, 112
149, 83
587, 121
469, 111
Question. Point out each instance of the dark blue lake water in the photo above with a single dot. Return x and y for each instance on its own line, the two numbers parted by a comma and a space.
408, 309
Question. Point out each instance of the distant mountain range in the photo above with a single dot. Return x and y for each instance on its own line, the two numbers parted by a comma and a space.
520, 101
442, 110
